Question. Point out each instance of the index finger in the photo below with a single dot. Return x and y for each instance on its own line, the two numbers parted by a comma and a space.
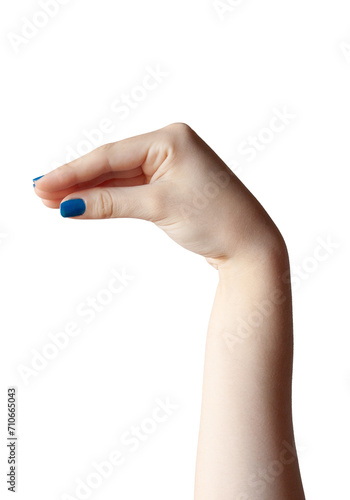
113, 157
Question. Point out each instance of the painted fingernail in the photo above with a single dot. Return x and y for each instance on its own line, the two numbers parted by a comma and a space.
72, 208
36, 179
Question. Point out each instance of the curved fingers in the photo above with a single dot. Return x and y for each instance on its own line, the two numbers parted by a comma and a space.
122, 156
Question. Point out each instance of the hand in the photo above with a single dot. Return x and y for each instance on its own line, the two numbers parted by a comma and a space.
170, 177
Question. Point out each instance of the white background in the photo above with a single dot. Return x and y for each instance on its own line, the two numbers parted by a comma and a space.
224, 77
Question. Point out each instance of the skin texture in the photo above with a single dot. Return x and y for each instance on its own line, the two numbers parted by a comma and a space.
171, 177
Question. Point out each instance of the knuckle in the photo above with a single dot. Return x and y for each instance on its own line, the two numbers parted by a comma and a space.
105, 206
180, 129
179, 134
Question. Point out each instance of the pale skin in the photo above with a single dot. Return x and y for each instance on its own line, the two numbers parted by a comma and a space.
246, 448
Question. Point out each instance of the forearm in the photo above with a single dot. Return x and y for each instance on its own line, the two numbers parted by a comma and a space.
246, 431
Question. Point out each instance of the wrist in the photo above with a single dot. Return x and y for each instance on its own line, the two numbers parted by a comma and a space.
265, 259
253, 298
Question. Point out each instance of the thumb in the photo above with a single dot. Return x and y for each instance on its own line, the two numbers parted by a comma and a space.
140, 202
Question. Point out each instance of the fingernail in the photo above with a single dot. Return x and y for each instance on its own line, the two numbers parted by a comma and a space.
73, 207
36, 179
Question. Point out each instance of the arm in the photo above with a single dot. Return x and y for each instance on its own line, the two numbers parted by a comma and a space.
246, 447
174, 179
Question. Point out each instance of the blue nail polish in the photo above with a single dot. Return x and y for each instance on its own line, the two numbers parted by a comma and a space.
36, 179
73, 207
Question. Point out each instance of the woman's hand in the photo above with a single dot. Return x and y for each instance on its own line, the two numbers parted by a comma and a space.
170, 177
